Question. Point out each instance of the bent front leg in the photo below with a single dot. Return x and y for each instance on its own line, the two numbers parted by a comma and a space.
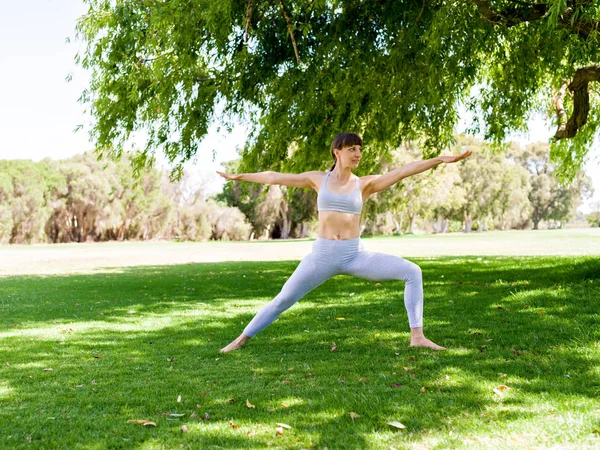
381, 267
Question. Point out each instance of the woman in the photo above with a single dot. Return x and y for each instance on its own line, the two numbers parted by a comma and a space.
338, 248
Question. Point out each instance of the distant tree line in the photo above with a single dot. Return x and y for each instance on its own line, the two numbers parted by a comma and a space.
516, 190
82, 199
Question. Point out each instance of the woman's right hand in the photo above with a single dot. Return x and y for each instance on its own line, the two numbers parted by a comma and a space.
233, 176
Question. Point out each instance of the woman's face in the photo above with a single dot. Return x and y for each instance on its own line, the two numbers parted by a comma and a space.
350, 156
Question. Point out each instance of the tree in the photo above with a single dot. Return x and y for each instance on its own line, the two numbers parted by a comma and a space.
593, 218
25, 189
511, 206
301, 71
550, 198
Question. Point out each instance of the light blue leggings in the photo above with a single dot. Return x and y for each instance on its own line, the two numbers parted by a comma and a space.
348, 257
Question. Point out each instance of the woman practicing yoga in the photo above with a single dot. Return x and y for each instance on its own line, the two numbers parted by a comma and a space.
338, 248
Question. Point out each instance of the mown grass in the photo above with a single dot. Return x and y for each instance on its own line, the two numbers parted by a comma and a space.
125, 346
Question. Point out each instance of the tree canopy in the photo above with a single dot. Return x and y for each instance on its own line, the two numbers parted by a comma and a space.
301, 71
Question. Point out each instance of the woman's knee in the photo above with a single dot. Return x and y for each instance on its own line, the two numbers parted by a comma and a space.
413, 273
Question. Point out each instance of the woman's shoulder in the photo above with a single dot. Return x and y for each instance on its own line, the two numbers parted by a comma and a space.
316, 177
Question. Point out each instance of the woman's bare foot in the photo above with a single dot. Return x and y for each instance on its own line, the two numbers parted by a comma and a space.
418, 339
424, 342
238, 343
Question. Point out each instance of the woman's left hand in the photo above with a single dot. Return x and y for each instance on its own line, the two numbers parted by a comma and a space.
453, 159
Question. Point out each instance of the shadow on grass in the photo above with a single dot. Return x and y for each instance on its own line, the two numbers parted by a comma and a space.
125, 346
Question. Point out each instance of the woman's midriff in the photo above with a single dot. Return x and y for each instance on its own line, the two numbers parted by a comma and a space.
338, 225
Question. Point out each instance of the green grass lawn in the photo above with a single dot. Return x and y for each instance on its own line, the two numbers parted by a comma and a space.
143, 344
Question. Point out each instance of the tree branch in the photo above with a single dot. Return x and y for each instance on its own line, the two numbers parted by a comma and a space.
558, 100
581, 102
248, 19
289, 24
514, 15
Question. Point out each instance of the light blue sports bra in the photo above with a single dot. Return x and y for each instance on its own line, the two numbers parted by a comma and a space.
330, 201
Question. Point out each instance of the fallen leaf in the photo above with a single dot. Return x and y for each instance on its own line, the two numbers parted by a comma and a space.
176, 415
231, 400
179, 399
284, 425
363, 379
193, 414
340, 380
423, 389
7, 363
48, 369
250, 433
286, 382
143, 422
396, 424
353, 415
184, 428
377, 284
498, 389
279, 431
249, 405
206, 416
411, 358
233, 425
283, 405
339, 318
334, 348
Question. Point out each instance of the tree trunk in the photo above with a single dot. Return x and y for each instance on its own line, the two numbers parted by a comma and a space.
286, 226
397, 226
468, 221
411, 224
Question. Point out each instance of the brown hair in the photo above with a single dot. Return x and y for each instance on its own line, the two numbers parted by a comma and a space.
344, 140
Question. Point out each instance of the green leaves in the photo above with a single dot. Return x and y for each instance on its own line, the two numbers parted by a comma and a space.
391, 71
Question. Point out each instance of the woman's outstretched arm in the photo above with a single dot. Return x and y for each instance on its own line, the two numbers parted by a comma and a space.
378, 183
301, 180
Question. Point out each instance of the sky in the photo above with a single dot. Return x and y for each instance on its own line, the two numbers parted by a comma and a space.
39, 108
